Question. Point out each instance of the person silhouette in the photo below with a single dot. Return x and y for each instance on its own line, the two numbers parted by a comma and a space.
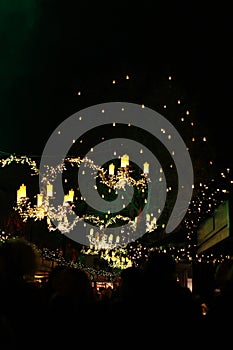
172, 305
22, 309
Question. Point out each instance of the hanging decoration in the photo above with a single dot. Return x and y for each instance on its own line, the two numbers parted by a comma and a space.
42, 207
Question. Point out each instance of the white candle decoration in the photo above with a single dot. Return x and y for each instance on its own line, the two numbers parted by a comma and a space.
66, 200
124, 161
111, 169
49, 190
39, 200
146, 168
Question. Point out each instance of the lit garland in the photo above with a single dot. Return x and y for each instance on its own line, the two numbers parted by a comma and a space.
113, 181
4, 236
205, 200
117, 258
20, 160
60, 214
56, 256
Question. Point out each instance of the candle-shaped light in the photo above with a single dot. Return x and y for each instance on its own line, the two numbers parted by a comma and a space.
71, 195
91, 232
39, 200
23, 192
66, 200
146, 168
18, 195
111, 169
124, 161
117, 239
49, 190
110, 238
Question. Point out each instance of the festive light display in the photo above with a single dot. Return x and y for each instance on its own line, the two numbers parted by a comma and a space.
210, 189
45, 209
19, 160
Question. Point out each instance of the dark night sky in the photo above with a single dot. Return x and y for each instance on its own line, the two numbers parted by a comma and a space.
52, 49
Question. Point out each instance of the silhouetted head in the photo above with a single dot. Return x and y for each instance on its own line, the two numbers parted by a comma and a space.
130, 281
160, 266
74, 282
18, 257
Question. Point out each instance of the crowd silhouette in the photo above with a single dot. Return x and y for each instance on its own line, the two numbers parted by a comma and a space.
149, 306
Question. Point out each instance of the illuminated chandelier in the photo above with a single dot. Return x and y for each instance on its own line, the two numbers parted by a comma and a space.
113, 179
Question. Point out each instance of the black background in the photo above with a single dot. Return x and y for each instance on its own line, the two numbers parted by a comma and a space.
53, 49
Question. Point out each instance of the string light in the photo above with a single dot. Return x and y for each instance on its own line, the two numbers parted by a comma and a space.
45, 209
20, 160
206, 198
